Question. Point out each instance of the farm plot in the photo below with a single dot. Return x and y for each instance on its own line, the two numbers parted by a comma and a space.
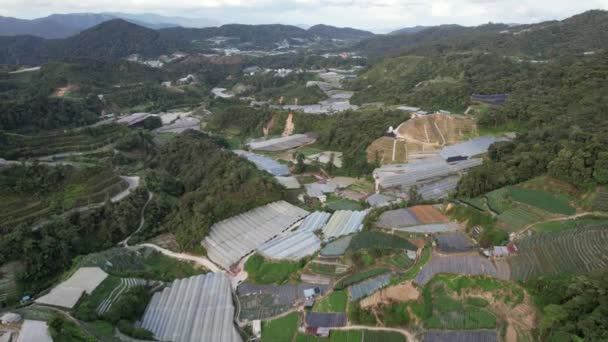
438, 189
124, 285
470, 148
428, 214
397, 218
400, 260
291, 246
397, 293
282, 144
461, 336
335, 302
355, 336
600, 200
66, 294
264, 301
344, 222
374, 239
454, 243
387, 150
369, 286
575, 251
264, 163
518, 218
456, 264
499, 201
542, 200
281, 329
431, 228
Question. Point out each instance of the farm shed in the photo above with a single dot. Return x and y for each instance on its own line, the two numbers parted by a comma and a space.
325, 320
344, 222
431, 228
133, 119
288, 182
461, 336
67, 294
180, 125
456, 264
397, 218
454, 243
233, 238
469, 148
34, 331
314, 221
336, 247
320, 188
283, 143
198, 308
369, 286
291, 246
420, 171
264, 163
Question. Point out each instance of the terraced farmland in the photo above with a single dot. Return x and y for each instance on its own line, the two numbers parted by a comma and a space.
125, 284
579, 250
16, 146
8, 280
600, 200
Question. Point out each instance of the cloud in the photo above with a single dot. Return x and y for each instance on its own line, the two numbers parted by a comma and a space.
355, 13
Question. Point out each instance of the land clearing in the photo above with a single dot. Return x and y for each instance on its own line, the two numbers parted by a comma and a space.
403, 292
436, 129
428, 214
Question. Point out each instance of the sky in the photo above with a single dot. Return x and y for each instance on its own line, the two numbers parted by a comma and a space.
375, 15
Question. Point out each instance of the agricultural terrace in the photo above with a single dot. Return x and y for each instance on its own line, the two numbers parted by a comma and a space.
264, 271
560, 225
16, 146
599, 201
355, 336
461, 336
281, 329
578, 250
60, 189
374, 239
143, 262
461, 264
358, 277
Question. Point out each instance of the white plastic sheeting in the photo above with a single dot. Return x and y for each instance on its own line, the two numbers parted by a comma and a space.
264, 163
198, 308
420, 171
344, 222
233, 238
283, 143
314, 221
66, 294
288, 182
470, 148
369, 286
291, 246
431, 228
34, 331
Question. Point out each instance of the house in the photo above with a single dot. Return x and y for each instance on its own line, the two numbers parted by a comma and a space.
312, 292
309, 302
322, 332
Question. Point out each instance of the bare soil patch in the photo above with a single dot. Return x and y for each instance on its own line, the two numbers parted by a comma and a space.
398, 293
428, 214
60, 92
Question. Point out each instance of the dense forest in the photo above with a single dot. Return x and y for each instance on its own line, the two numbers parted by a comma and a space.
210, 182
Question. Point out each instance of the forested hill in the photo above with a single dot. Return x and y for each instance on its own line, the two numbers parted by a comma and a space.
581, 33
119, 38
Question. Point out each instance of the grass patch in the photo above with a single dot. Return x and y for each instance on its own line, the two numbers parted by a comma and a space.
281, 329
400, 260
499, 201
335, 302
355, 336
477, 202
557, 204
358, 277
263, 271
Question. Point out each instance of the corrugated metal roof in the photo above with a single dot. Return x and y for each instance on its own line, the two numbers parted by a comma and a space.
198, 308
264, 163
314, 221
344, 222
292, 246
233, 238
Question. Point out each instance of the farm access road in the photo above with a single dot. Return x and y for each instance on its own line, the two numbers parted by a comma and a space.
408, 334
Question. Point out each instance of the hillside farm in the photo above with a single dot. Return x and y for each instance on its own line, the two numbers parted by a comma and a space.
459, 264
435, 129
16, 146
578, 250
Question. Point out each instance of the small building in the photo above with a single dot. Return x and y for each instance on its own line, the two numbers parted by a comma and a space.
411, 254
309, 302
256, 327
10, 318
312, 292
166, 84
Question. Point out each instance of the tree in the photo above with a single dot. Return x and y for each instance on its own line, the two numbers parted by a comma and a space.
600, 169
300, 166
414, 197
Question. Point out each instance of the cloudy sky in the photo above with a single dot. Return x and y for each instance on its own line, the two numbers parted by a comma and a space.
377, 15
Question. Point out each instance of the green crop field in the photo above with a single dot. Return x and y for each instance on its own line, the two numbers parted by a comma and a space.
8, 281
543, 200
575, 251
477, 202
375, 239
600, 199
498, 200
280, 329
263, 271
558, 226
518, 218
400, 260
335, 302
358, 277
337, 203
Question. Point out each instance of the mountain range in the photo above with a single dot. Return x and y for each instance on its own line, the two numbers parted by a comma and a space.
65, 25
